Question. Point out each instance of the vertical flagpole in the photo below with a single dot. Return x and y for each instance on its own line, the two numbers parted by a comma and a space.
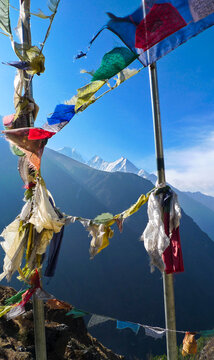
38, 306
168, 286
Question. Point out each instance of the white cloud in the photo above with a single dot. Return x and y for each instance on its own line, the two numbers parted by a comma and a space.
192, 168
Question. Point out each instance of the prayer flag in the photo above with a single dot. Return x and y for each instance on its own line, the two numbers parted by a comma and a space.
154, 332
61, 114
113, 62
97, 319
207, 333
22, 65
32, 55
85, 94
30, 141
37, 134
77, 313
52, 4
58, 304
15, 311
126, 324
15, 239
8, 120
4, 16
160, 26
53, 255
43, 295
15, 298
4, 309
56, 127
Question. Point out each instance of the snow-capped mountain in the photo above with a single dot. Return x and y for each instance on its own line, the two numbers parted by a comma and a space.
146, 175
198, 206
98, 163
72, 153
122, 164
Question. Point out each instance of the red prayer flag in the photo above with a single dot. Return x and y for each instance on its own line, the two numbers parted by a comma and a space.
162, 21
37, 134
172, 256
32, 148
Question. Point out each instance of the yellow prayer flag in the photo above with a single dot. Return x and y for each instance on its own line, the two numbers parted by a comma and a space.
134, 208
85, 94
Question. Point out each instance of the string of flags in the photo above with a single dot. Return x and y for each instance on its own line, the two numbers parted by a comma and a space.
158, 27
113, 63
28, 144
40, 223
152, 31
40, 220
15, 306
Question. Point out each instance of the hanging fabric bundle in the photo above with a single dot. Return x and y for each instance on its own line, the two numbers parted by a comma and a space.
32, 59
53, 255
161, 236
172, 256
15, 240
189, 344
100, 238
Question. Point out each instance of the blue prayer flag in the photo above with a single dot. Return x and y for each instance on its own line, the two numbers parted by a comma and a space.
61, 114
159, 26
126, 324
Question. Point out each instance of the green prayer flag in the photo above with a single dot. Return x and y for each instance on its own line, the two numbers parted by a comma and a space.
104, 218
76, 313
207, 333
113, 62
4, 16
15, 299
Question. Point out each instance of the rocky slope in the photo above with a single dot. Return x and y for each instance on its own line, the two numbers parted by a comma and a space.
207, 353
66, 338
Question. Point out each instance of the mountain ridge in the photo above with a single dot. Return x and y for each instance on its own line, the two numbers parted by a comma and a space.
197, 205
117, 282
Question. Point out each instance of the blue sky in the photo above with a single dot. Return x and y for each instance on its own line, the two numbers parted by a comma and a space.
120, 124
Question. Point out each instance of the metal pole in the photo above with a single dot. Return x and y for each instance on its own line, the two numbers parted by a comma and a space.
168, 286
38, 306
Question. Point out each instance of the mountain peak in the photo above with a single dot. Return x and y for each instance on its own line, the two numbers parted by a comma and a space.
72, 153
122, 164
96, 158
